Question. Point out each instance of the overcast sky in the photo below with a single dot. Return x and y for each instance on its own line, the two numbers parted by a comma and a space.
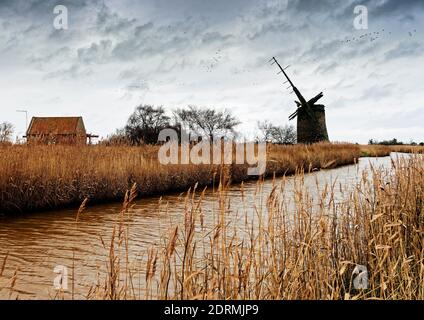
118, 54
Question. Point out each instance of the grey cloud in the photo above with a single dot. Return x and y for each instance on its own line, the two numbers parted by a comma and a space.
275, 27
58, 56
342, 12
144, 45
217, 9
96, 52
321, 50
138, 85
109, 22
74, 72
215, 37
60, 36
312, 6
404, 49
40, 8
326, 67
378, 92
407, 18
394, 6
379, 9
142, 29
148, 40
167, 65
401, 119
128, 74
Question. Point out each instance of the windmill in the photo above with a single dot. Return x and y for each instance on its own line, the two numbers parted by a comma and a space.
311, 124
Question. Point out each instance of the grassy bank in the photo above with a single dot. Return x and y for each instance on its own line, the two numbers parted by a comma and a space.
47, 177
308, 249
375, 151
383, 150
407, 149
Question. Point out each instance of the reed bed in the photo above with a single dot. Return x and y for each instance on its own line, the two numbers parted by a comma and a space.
375, 151
36, 177
306, 248
407, 149
385, 150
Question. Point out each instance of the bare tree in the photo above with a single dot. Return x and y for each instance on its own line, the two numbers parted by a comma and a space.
207, 122
284, 135
265, 129
145, 124
6, 132
277, 134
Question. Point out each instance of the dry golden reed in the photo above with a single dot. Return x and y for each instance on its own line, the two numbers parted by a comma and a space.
37, 177
294, 245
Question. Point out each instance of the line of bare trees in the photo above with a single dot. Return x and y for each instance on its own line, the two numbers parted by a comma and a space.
146, 122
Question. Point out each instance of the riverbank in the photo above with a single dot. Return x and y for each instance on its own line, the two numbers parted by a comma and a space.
35, 178
384, 151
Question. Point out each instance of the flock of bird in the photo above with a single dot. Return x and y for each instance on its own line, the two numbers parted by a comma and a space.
212, 63
373, 36
370, 36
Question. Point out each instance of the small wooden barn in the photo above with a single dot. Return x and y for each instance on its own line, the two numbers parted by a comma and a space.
57, 130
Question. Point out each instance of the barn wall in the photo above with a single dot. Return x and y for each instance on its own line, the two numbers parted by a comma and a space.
57, 139
81, 128
81, 133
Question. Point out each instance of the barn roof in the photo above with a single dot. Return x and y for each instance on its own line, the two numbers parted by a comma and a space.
53, 125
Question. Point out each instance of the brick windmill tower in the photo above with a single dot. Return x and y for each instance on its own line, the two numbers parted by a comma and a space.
311, 124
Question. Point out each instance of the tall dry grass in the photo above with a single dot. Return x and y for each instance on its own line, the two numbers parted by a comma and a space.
375, 151
37, 177
295, 245
407, 149
385, 150
304, 250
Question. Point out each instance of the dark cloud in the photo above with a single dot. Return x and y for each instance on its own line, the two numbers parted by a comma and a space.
108, 22
194, 49
148, 40
376, 9
41, 8
143, 29
390, 7
323, 6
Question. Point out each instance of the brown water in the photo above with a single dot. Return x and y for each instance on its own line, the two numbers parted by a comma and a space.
37, 243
